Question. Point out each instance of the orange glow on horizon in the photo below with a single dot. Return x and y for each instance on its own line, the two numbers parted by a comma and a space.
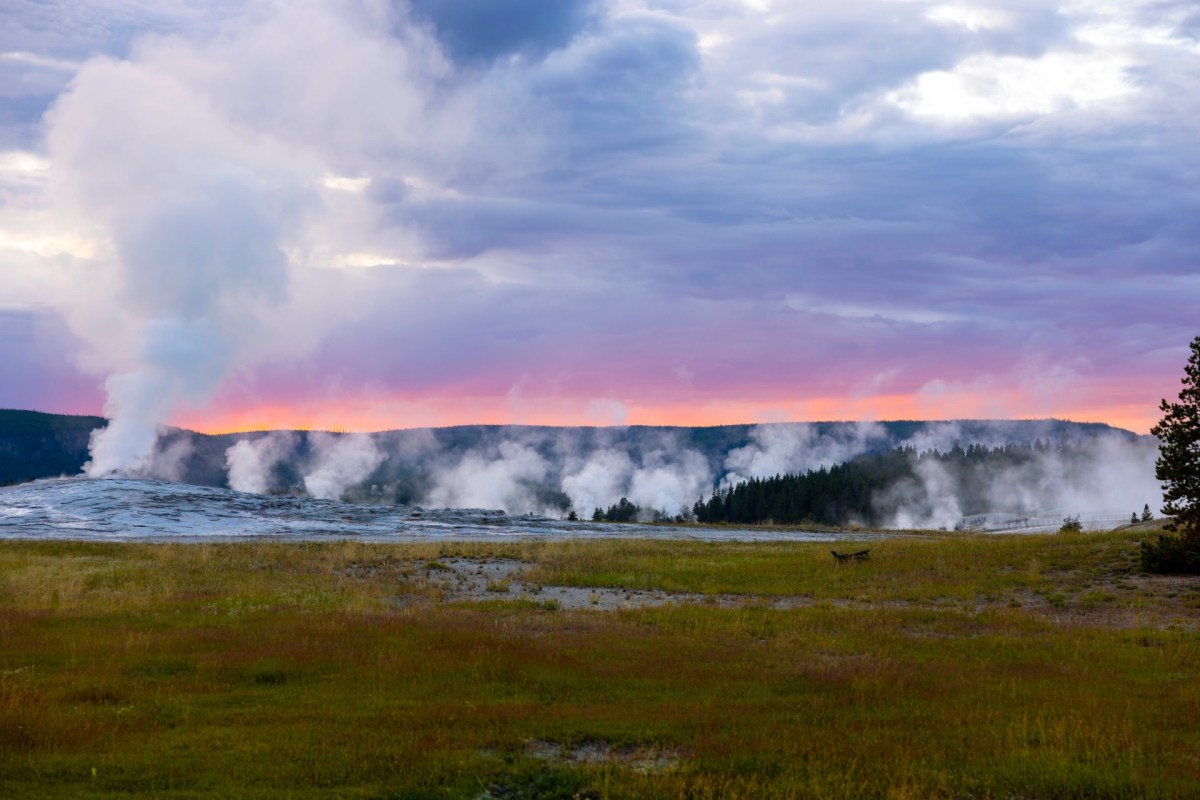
373, 414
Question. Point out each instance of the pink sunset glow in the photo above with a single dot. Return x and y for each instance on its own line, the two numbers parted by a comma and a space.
378, 413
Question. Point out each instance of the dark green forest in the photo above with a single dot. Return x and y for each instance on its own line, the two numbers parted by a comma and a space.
36, 445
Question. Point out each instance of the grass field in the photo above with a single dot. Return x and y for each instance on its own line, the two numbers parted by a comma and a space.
946, 666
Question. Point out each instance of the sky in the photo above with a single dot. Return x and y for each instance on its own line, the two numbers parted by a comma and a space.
364, 215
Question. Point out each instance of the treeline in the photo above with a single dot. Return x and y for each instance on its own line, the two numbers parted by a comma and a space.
868, 489
625, 511
35, 445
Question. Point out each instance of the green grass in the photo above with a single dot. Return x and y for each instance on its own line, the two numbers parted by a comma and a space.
950, 666
912, 568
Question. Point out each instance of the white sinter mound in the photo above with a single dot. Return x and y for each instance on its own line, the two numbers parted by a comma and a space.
137, 509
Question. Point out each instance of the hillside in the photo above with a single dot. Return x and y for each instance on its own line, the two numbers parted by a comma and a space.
653, 473
36, 445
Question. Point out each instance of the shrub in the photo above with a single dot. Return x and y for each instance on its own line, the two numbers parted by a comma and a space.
1071, 525
1172, 554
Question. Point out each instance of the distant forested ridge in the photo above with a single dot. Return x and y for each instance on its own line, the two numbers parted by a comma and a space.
829, 473
869, 489
36, 445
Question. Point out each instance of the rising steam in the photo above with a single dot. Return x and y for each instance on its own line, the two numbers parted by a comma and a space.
341, 461
666, 477
791, 449
551, 471
1104, 478
201, 167
250, 463
196, 246
507, 479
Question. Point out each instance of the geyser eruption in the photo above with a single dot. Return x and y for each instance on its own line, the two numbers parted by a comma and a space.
192, 209
197, 285
197, 265
206, 169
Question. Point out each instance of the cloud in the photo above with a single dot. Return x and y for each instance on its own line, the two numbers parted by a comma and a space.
989, 86
776, 202
483, 31
621, 89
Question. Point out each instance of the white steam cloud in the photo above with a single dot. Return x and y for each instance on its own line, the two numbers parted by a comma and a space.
670, 482
250, 461
598, 482
199, 167
341, 461
928, 502
537, 474
668, 478
506, 480
792, 449
195, 238
1102, 480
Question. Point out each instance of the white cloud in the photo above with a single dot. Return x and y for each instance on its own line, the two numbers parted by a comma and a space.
21, 163
879, 311
343, 184
988, 86
33, 59
971, 17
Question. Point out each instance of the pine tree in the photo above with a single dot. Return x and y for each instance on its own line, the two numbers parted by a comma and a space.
1178, 467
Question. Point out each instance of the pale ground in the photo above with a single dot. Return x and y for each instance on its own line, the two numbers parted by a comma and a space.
1117, 601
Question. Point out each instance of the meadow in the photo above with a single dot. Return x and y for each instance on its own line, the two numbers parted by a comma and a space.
948, 665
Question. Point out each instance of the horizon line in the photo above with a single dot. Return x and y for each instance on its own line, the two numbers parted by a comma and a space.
337, 430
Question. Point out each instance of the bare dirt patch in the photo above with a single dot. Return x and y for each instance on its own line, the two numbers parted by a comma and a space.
482, 579
639, 758
1114, 600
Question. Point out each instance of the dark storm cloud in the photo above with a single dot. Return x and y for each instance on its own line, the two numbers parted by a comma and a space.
484, 30
621, 89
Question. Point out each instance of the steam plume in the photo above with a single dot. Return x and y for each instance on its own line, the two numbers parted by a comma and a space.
790, 449
341, 462
193, 164
506, 480
1106, 477
195, 239
599, 481
250, 461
